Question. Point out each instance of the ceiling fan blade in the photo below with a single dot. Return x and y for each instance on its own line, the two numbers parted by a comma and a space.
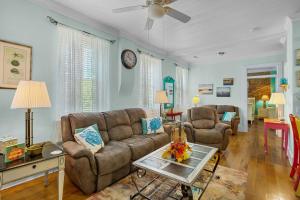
169, 1
177, 15
149, 24
129, 8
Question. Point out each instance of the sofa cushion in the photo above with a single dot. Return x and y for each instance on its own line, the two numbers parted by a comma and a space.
204, 123
159, 139
135, 116
203, 113
208, 136
139, 146
118, 125
212, 106
221, 109
82, 120
112, 157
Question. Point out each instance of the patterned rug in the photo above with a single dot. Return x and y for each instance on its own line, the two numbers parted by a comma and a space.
227, 184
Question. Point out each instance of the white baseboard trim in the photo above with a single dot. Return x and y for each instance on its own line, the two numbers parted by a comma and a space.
24, 180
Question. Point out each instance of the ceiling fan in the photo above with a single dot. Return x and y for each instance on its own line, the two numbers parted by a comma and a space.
157, 9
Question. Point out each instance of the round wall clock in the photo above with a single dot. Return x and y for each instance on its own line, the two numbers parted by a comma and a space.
128, 58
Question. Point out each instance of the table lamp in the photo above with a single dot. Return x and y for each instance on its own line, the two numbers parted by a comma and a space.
265, 98
278, 99
30, 94
196, 100
161, 98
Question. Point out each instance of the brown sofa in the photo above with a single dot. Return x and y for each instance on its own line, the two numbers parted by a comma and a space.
203, 127
121, 132
221, 109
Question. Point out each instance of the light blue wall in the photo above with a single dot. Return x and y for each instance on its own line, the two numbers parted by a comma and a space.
24, 22
214, 74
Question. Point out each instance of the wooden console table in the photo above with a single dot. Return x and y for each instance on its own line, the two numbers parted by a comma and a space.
30, 166
276, 124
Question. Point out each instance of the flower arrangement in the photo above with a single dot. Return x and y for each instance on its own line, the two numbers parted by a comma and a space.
178, 149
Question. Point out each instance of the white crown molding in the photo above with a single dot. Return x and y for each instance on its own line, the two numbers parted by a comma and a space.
95, 24
187, 51
223, 60
77, 16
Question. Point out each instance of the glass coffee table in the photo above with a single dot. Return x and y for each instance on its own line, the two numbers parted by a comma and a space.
185, 173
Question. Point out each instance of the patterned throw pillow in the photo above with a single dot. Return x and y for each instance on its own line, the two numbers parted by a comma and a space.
90, 138
152, 125
227, 117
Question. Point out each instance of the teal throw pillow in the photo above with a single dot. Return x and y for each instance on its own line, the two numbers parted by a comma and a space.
89, 137
227, 117
152, 125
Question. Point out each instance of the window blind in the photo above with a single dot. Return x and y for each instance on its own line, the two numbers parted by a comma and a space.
83, 72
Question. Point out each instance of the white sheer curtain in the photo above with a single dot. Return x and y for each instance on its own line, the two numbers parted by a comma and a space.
150, 80
181, 83
83, 79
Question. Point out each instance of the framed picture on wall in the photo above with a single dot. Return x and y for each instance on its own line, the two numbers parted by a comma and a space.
15, 64
297, 57
223, 91
228, 81
206, 89
298, 78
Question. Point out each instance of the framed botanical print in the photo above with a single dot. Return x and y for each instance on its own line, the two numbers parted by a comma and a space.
15, 64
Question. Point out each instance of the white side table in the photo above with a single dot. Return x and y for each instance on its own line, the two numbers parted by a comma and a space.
30, 166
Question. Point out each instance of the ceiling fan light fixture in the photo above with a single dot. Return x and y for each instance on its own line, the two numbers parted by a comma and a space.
156, 11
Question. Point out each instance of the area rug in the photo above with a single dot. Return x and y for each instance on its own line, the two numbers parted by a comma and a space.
226, 184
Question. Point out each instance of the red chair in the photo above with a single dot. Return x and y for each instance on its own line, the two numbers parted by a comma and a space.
295, 166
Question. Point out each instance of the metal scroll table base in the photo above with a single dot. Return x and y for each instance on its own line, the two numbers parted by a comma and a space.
185, 190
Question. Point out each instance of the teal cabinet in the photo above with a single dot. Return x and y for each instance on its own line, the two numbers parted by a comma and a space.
169, 87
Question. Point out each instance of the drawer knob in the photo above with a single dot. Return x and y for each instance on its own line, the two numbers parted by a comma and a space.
33, 166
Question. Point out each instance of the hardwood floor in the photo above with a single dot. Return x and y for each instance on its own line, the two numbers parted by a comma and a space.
268, 175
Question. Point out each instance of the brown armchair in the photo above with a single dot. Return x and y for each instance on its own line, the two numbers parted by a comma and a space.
203, 127
221, 109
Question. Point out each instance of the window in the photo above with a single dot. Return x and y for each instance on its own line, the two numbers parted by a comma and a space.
181, 85
83, 72
150, 80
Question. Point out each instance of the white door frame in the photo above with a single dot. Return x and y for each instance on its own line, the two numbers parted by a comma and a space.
244, 89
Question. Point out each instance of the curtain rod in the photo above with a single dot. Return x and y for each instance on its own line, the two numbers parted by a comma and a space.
55, 22
140, 51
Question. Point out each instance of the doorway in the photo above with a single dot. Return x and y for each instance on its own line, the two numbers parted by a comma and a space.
261, 84
244, 87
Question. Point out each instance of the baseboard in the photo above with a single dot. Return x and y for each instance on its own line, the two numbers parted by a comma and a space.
24, 180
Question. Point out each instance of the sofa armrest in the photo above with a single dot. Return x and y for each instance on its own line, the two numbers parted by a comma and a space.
235, 124
189, 130
77, 151
221, 127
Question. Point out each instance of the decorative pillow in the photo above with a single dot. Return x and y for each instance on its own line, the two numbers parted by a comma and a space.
89, 137
152, 125
227, 117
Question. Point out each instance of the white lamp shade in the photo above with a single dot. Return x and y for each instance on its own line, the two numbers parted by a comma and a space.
161, 97
31, 94
277, 98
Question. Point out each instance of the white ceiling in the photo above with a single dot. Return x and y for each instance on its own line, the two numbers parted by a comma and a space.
216, 25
